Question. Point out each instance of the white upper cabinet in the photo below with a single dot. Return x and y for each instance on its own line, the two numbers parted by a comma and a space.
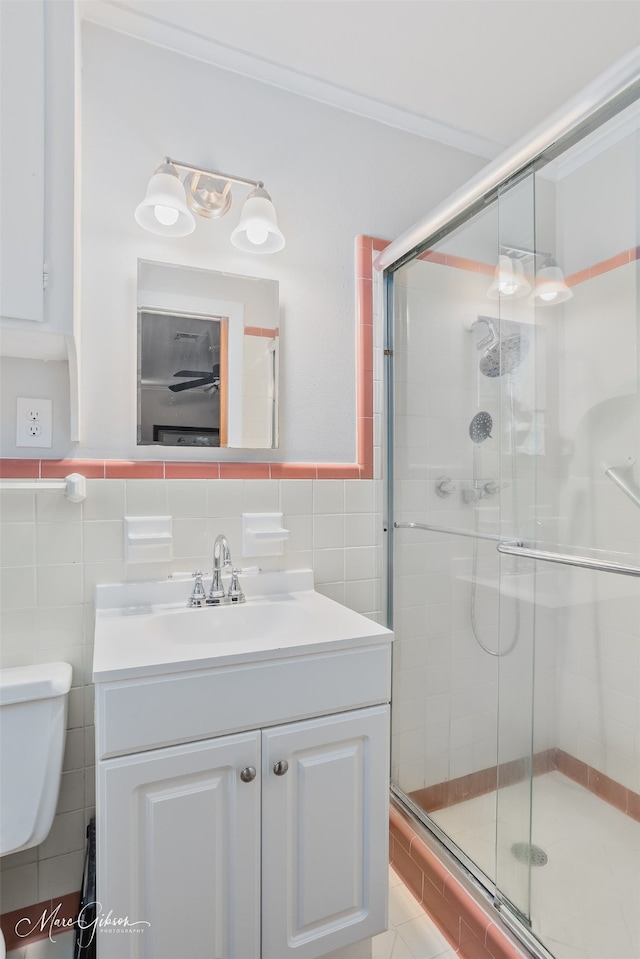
22, 161
37, 108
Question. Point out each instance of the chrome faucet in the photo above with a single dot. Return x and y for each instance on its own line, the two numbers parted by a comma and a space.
222, 560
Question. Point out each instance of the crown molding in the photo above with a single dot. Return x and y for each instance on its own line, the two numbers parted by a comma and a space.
117, 16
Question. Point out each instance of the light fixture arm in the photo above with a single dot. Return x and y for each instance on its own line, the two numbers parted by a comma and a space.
216, 175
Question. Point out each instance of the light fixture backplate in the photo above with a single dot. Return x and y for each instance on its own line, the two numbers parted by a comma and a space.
205, 197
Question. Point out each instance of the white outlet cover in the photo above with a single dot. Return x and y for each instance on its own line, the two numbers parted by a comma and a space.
30, 412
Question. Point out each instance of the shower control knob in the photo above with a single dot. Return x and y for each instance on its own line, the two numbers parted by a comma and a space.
490, 488
281, 767
248, 774
445, 486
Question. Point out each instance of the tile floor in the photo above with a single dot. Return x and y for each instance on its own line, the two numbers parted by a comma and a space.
584, 902
411, 934
62, 948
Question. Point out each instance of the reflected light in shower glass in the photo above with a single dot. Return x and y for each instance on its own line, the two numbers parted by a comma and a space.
551, 286
509, 279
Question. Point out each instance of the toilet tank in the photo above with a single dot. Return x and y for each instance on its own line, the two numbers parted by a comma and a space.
33, 721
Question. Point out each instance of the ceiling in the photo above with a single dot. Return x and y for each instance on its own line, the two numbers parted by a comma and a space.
472, 73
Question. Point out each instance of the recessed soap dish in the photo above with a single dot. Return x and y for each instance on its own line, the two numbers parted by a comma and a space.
263, 534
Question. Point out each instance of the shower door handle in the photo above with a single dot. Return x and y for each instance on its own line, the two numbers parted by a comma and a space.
565, 559
453, 531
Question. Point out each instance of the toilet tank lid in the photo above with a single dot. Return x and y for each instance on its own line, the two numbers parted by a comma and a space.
19, 684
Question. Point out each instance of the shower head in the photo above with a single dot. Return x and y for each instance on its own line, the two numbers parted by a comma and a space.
504, 356
480, 427
500, 355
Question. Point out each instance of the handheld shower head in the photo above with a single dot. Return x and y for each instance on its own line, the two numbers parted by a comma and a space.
480, 427
500, 354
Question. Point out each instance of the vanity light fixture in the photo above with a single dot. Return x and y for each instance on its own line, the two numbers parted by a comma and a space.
170, 203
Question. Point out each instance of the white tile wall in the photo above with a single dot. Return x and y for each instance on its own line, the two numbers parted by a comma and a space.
47, 599
598, 643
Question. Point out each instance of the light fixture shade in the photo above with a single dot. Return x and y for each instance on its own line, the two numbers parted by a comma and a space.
257, 231
508, 280
164, 209
551, 287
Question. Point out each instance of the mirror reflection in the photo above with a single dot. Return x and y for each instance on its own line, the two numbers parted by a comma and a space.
207, 358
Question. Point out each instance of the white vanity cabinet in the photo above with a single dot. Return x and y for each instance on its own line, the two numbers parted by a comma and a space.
245, 843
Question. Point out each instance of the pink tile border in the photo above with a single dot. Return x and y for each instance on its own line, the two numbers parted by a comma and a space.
245, 471
58, 469
170, 469
132, 469
260, 331
449, 793
126, 469
66, 910
467, 923
174, 470
19, 469
604, 266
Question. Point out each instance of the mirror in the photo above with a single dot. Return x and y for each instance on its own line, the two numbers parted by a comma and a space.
207, 358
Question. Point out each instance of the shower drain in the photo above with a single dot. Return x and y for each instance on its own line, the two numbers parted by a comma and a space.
525, 852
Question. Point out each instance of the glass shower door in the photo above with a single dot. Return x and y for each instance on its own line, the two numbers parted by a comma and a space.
514, 427
524, 411
582, 870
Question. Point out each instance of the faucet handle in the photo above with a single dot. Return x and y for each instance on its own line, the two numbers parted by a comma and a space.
234, 593
198, 596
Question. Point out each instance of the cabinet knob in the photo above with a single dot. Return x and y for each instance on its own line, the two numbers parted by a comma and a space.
248, 774
281, 767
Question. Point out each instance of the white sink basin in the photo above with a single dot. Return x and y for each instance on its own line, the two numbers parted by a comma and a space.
147, 629
269, 619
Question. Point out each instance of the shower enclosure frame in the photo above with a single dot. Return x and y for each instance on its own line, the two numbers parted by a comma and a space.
605, 97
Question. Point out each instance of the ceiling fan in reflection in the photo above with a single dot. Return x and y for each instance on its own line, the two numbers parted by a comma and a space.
210, 381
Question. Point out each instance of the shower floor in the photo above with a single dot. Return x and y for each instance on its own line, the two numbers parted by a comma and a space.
585, 900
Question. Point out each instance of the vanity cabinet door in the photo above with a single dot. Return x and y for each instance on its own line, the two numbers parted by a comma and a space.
179, 849
325, 833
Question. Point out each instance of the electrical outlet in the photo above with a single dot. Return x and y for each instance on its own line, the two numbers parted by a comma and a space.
34, 422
